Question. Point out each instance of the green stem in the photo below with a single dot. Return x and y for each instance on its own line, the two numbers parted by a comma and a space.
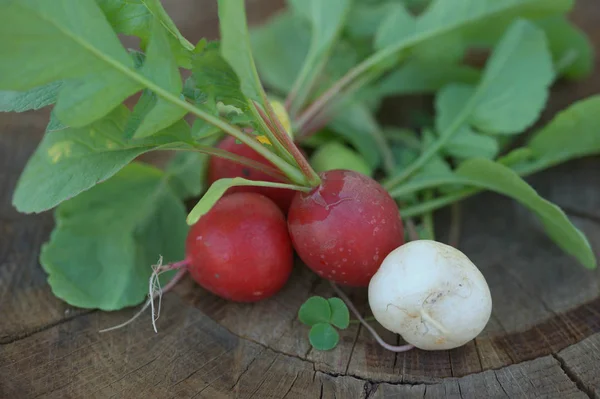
440, 202
269, 130
240, 160
292, 173
432, 149
313, 178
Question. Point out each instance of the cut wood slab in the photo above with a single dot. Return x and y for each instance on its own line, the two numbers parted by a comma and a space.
543, 339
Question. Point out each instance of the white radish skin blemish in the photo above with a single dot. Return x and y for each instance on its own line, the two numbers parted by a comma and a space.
431, 294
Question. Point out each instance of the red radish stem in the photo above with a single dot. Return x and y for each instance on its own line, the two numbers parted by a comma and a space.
348, 302
270, 118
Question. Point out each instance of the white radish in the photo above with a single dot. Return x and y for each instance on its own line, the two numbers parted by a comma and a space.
431, 294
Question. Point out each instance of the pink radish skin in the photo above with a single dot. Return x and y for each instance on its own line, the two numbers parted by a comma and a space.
344, 229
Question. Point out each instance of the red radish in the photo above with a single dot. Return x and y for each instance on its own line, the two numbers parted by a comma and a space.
241, 250
220, 168
344, 228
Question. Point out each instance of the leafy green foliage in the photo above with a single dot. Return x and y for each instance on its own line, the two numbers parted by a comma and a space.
490, 175
215, 81
280, 47
36, 98
326, 19
497, 106
323, 336
417, 77
315, 310
322, 315
106, 240
40, 43
571, 49
573, 133
70, 161
236, 48
160, 67
136, 18
187, 174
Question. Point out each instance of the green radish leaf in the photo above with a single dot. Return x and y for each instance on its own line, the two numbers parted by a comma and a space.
397, 25
358, 126
516, 157
236, 48
465, 143
160, 67
280, 47
489, 175
214, 81
571, 49
315, 310
218, 189
573, 133
514, 87
340, 317
323, 336
117, 230
365, 19
86, 53
443, 18
72, 160
136, 17
36, 98
187, 174
326, 19
468, 144
496, 177
417, 77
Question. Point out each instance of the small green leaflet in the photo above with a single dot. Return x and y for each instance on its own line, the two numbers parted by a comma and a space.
100, 254
160, 67
326, 20
36, 98
72, 160
489, 175
323, 336
218, 189
573, 133
40, 42
315, 310
321, 315
340, 317
136, 17
236, 48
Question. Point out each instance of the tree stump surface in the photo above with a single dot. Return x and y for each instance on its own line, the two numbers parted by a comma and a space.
543, 339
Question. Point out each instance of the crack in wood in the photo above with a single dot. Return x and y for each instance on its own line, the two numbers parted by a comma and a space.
572, 376
291, 386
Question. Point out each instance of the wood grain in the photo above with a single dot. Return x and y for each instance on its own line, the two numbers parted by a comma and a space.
543, 339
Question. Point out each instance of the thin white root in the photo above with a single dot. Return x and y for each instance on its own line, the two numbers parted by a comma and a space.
155, 290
